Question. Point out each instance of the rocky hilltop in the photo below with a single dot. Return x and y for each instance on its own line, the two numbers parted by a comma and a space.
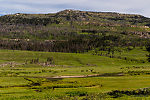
76, 15
98, 21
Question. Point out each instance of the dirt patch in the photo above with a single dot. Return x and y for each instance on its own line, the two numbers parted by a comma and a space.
95, 75
10, 64
83, 76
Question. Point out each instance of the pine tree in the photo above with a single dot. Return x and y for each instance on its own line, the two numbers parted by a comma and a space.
148, 49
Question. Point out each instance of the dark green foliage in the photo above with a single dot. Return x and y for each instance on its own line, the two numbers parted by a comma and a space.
148, 49
148, 46
148, 58
138, 72
23, 20
34, 61
119, 93
50, 60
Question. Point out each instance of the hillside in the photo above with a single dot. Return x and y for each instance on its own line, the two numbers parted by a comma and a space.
75, 15
72, 31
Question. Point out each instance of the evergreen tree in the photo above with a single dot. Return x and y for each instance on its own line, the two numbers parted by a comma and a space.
148, 49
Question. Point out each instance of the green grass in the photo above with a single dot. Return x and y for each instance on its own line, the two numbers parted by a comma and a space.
137, 53
23, 81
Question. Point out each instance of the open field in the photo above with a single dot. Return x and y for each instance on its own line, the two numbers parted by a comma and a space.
47, 75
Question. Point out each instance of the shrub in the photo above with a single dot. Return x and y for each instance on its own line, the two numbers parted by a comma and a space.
50, 60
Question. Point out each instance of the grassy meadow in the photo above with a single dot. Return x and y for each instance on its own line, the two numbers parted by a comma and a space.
30, 75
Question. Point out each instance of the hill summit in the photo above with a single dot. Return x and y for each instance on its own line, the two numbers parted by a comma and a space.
76, 15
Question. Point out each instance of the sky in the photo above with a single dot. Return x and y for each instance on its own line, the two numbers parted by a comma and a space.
141, 7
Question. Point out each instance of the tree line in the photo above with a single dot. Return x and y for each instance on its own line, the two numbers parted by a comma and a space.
78, 44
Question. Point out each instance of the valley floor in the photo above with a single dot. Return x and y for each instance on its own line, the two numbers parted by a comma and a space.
33, 75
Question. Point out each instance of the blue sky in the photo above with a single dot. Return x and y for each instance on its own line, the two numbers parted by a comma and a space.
50, 6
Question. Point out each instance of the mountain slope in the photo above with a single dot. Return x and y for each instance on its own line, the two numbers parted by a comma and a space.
73, 31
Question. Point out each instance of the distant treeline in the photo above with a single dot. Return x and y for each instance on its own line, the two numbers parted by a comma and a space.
77, 44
